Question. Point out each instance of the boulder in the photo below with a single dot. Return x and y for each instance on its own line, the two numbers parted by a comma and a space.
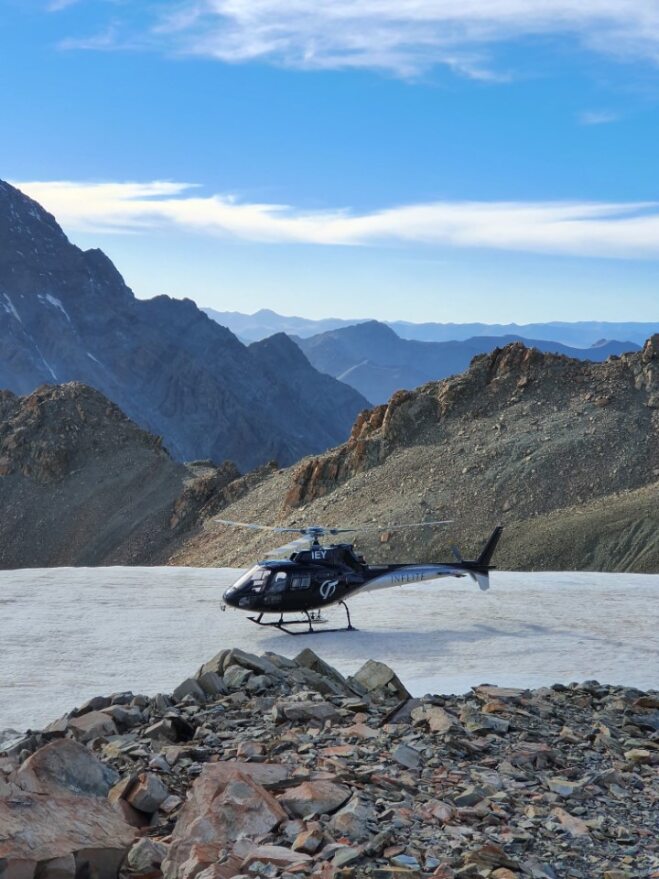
96, 703
170, 729
260, 665
92, 725
308, 710
314, 798
214, 777
277, 855
469, 796
57, 868
216, 664
125, 717
147, 793
437, 719
377, 678
406, 756
221, 810
352, 820
38, 828
308, 659
236, 677
65, 765
145, 856
189, 687
212, 684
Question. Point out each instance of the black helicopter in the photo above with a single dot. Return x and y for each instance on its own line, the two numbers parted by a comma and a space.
318, 576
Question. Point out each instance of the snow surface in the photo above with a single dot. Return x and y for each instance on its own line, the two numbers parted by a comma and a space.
67, 634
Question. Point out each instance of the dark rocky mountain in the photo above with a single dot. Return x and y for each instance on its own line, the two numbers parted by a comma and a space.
375, 361
80, 484
581, 334
67, 315
563, 452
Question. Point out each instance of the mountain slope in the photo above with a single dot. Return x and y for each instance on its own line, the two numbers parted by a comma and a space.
375, 361
80, 484
66, 315
564, 453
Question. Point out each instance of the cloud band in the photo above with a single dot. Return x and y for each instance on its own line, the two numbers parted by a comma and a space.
623, 230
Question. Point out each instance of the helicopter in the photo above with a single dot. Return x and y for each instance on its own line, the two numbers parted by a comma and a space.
317, 576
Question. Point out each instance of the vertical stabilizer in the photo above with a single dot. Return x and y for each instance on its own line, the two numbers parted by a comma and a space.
484, 559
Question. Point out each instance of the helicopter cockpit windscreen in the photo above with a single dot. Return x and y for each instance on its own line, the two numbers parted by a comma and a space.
253, 581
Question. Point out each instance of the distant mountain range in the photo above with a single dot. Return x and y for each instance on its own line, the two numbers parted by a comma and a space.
67, 315
583, 334
375, 361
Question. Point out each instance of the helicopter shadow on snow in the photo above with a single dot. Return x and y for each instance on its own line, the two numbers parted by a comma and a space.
421, 643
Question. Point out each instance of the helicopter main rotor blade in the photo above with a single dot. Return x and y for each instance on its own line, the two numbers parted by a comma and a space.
314, 532
287, 548
254, 527
366, 530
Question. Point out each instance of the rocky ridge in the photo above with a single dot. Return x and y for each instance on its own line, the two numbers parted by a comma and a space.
374, 360
80, 484
522, 437
264, 766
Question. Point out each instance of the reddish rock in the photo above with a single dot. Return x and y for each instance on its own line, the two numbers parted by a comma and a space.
147, 793
92, 725
314, 798
222, 806
37, 828
274, 854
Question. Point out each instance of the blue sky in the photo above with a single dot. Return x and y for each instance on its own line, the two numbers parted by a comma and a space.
490, 160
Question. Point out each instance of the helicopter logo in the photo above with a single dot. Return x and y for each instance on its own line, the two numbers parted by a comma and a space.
328, 588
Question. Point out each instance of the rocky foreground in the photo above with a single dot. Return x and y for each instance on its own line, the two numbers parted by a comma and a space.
268, 767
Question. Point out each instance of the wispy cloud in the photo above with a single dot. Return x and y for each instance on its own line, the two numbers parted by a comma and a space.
58, 5
404, 38
598, 117
590, 229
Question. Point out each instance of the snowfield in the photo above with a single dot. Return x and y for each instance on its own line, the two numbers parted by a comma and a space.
67, 634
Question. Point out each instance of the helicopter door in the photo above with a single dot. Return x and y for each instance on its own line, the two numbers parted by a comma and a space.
278, 583
277, 586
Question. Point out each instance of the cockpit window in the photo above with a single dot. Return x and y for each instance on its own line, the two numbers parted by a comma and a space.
256, 578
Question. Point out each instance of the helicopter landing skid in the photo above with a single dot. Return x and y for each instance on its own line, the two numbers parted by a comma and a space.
311, 617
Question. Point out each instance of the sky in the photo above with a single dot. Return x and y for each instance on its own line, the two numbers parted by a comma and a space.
488, 160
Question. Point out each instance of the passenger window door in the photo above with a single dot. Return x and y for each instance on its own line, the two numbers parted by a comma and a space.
300, 581
279, 583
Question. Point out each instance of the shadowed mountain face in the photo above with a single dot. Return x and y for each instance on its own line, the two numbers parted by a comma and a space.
579, 334
67, 315
564, 453
375, 361
80, 484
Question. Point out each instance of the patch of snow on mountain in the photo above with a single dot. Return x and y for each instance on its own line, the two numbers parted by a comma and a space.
46, 297
10, 308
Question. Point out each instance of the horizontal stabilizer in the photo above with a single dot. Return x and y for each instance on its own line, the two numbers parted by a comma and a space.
483, 580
